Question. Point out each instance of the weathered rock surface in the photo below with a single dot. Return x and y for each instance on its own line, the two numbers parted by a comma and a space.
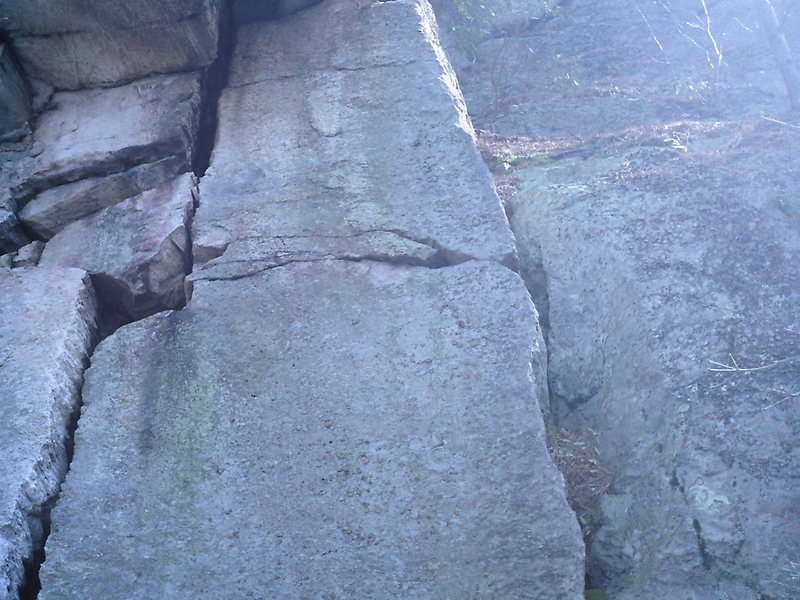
625, 65
337, 429
103, 131
28, 255
137, 251
353, 127
330, 415
11, 234
46, 328
15, 95
73, 44
52, 210
655, 263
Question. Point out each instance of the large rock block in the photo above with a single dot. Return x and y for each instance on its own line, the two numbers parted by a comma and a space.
73, 44
353, 127
655, 264
46, 329
330, 429
138, 251
15, 95
103, 131
50, 211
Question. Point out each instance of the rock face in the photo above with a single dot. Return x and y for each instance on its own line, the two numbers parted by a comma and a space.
15, 96
137, 251
377, 418
11, 234
53, 209
29, 255
335, 147
103, 131
46, 333
350, 403
626, 65
658, 231
75, 44
655, 263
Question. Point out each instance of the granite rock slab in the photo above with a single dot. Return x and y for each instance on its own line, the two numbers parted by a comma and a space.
50, 211
674, 303
137, 251
47, 323
351, 128
97, 132
72, 44
331, 429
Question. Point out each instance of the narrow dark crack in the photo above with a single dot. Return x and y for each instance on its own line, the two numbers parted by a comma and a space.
39, 521
331, 69
705, 558
109, 317
278, 263
214, 82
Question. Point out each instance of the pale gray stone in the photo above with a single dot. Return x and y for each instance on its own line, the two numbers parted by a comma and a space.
52, 210
73, 44
340, 130
46, 331
331, 429
15, 96
650, 275
103, 131
138, 251
28, 256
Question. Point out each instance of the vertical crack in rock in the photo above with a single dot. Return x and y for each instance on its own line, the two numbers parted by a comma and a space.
215, 80
43, 352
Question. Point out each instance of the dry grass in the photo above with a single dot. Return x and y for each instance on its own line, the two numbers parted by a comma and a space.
586, 478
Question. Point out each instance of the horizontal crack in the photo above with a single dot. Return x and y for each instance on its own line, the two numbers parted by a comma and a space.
333, 69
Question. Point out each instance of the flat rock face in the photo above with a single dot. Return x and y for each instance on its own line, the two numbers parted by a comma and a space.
46, 329
340, 411
15, 96
335, 429
103, 131
73, 44
347, 128
138, 251
656, 263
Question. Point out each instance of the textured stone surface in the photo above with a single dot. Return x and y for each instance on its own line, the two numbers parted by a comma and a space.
330, 416
138, 251
28, 255
73, 43
46, 327
11, 234
248, 11
654, 263
102, 131
353, 127
52, 210
15, 95
602, 58
333, 429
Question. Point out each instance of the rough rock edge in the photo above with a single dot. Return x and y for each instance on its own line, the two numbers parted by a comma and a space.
42, 487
